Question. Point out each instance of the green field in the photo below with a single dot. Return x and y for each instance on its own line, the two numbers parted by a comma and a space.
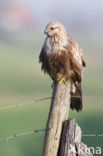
21, 80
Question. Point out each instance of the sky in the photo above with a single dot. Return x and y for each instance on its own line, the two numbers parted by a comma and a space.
87, 12
77, 15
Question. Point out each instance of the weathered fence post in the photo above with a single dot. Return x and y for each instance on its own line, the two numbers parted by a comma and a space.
62, 136
57, 115
67, 138
71, 144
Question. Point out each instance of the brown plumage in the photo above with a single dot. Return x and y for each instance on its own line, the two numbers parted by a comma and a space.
61, 57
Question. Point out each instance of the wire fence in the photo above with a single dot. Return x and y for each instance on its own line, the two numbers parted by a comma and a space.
24, 103
6, 139
42, 99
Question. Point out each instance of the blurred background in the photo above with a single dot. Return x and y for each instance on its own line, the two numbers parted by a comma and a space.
22, 24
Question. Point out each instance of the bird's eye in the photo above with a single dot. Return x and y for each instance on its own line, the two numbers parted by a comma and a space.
52, 28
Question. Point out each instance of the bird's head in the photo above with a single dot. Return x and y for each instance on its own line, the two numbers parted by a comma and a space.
54, 28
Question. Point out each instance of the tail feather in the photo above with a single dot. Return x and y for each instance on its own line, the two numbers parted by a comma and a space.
76, 99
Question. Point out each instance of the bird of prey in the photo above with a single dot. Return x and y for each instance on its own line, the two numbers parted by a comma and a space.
62, 58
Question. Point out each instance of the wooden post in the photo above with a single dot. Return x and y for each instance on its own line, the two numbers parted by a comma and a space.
67, 138
57, 115
71, 144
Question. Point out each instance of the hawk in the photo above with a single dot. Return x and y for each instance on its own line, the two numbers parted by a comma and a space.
61, 58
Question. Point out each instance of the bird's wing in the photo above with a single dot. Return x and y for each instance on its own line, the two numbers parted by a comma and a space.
77, 64
43, 59
78, 52
76, 59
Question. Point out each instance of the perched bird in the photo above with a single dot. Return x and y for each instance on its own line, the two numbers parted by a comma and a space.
61, 58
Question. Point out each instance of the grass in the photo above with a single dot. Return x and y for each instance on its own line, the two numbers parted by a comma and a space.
21, 80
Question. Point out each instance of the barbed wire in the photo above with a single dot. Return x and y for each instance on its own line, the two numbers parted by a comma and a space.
24, 103
42, 99
92, 135
6, 139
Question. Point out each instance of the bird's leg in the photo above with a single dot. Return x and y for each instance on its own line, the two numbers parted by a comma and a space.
60, 80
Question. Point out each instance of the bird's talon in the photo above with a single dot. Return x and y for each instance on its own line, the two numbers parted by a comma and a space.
60, 80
